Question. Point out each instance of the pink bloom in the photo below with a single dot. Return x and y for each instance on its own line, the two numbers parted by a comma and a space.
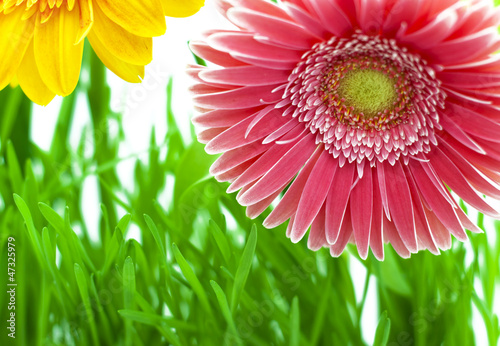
367, 110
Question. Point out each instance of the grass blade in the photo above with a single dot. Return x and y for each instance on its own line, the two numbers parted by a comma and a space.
152, 320
383, 330
243, 270
84, 293
221, 241
295, 323
224, 306
128, 295
33, 233
191, 277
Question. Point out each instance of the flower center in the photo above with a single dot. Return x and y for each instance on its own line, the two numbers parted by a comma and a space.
365, 98
367, 92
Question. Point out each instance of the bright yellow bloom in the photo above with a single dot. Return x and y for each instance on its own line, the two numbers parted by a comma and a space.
41, 41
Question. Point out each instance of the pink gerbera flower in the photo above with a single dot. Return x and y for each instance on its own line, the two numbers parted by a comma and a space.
364, 111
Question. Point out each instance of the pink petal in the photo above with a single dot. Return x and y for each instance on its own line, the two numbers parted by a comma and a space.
465, 48
492, 149
233, 173
433, 33
456, 131
265, 162
480, 162
403, 11
361, 211
206, 136
306, 21
276, 29
370, 15
472, 19
376, 234
290, 201
223, 117
287, 127
235, 157
326, 10
436, 181
267, 63
471, 174
474, 123
400, 204
317, 238
245, 75
194, 71
392, 236
290, 226
343, 238
240, 98
206, 89
222, 6
383, 190
467, 223
440, 233
263, 6
421, 224
282, 171
217, 57
234, 137
452, 176
314, 194
436, 7
441, 208
336, 201
469, 79
481, 63
243, 45
255, 210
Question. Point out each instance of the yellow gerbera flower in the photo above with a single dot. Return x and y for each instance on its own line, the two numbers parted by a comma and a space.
41, 41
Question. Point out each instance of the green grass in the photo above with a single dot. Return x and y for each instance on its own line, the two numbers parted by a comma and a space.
202, 272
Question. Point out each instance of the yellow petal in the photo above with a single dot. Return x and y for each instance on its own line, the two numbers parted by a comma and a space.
9, 5
118, 41
86, 19
141, 17
57, 57
30, 80
30, 11
14, 39
128, 72
181, 8
70, 4
14, 82
46, 14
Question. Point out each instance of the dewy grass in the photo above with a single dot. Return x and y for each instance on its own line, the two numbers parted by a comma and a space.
189, 280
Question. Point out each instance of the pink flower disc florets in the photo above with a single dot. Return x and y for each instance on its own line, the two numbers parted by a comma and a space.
403, 126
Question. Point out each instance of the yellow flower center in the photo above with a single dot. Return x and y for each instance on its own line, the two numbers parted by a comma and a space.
369, 92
